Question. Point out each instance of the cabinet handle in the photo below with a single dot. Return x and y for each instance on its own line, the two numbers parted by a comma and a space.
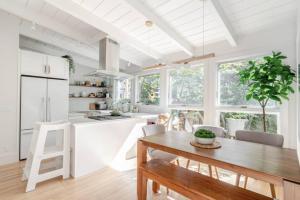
49, 69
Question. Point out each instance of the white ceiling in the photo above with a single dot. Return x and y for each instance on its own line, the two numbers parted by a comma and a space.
178, 24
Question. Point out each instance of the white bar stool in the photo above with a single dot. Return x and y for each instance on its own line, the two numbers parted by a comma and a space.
39, 152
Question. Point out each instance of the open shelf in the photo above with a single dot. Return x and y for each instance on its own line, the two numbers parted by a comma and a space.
87, 97
87, 86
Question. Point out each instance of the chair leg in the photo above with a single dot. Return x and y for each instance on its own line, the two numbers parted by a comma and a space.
210, 170
177, 161
273, 192
246, 181
155, 187
217, 174
188, 164
199, 169
237, 180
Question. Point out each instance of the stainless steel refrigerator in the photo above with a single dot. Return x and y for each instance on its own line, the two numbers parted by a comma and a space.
42, 100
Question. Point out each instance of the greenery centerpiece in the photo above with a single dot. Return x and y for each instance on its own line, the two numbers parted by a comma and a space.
203, 136
268, 80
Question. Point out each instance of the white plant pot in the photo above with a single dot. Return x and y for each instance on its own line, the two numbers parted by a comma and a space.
204, 140
235, 124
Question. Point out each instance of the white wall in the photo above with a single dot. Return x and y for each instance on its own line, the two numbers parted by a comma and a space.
279, 38
298, 80
9, 40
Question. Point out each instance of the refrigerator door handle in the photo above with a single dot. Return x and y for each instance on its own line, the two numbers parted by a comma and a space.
43, 110
49, 109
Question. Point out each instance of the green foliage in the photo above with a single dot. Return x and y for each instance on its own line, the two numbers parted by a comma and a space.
271, 79
202, 133
71, 63
149, 89
230, 90
255, 121
186, 86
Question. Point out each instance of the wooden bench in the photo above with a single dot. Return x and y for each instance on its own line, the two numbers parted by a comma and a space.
193, 185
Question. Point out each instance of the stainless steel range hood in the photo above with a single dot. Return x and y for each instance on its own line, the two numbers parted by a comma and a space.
109, 56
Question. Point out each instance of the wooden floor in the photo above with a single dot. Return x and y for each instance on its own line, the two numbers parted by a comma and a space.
106, 184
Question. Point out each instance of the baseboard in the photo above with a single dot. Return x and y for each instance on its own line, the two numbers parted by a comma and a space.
8, 158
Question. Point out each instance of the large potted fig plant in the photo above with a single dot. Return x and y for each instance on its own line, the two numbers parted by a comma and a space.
268, 80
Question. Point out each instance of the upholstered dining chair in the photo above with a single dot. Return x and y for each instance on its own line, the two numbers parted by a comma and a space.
261, 138
154, 129
219, 132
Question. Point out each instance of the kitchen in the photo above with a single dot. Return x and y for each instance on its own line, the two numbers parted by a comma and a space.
110, 99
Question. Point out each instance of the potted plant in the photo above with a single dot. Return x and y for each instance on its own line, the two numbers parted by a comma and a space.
203, 136
71, 63
235, 121
268, 80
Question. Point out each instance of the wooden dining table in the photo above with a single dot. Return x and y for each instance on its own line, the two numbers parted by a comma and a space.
279, 166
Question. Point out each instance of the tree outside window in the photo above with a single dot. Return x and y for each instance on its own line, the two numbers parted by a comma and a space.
231, 92
149, 89
186, 86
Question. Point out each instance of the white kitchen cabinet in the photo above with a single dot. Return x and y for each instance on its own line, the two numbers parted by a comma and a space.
33, 64
57, 67
42, 65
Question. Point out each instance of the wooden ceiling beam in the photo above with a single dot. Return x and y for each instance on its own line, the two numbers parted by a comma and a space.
224, 21
88, 17
143, 9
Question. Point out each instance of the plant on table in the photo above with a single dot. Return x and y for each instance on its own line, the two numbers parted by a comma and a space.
202, 133
268, 80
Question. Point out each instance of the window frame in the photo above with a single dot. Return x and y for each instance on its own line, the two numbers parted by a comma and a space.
138, 88
196, 107
251, 109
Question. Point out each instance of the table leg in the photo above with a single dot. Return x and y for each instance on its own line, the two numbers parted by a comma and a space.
141, 181
155, 187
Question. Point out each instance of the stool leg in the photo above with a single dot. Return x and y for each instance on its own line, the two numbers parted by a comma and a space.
33, 174
272, 187
199, 169
177, 161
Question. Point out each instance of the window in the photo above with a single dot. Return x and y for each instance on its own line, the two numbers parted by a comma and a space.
230, 91
233, 121
125, 89
184, 119
186, 86
149, 89
235, 112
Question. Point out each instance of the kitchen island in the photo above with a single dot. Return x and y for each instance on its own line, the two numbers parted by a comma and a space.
97, 144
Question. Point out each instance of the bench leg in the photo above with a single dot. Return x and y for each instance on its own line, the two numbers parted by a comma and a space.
155, 187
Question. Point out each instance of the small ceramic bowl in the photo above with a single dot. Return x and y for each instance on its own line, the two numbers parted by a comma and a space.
204, 140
